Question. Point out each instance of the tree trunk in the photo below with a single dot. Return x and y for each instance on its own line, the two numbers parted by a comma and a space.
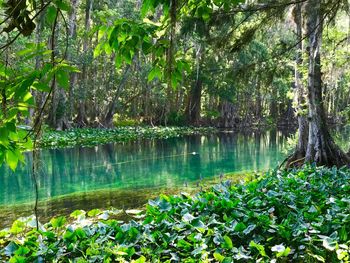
302, 122
38, 96
258, 106
193, 108
52, 117
72, 33
321, 148
228, 115
81, 119
301, 147
112, 105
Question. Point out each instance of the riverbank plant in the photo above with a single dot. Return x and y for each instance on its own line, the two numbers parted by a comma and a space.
90, 137
299, 216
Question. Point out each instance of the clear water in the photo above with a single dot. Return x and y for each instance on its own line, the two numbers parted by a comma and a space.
140, 165
127, 175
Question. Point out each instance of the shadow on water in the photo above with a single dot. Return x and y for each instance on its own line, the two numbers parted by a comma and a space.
127, 175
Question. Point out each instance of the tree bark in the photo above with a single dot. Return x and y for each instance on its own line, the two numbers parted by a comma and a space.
72, 33
38, 96
321, 148
52, 117
112, 105
301, 146
66, 98
302, 122
228, 115
193, 108
81, 119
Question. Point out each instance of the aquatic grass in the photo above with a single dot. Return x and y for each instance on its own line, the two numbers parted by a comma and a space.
92, 137
299, 215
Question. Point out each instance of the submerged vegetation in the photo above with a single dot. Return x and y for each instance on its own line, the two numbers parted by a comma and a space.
300, 215
89, 137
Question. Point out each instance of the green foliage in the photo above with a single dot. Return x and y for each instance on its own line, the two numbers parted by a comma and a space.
89, 137
346, 114
176, 118
17, 100
120, 121
21, 76
299, 216
126, 38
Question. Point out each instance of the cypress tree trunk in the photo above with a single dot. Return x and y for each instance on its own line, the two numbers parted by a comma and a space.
194, 103
321, 148
301, 147
193, 108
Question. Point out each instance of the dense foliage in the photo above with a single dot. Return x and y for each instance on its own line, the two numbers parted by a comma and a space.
89, 137
232, 49
300, 215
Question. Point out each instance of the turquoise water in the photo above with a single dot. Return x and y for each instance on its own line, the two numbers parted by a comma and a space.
127, 175
141, 165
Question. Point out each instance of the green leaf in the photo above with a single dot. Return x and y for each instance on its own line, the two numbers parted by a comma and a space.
18, 259
77, 213
147, 6
343, 234
58, 222
63, 5
174, 81
63, 79
79, 232
218, 257
94, 212
281, 250
51, 13
329, 243
4, 133
17, 227
41, 87
141, 259
11, 159
184, 244
155, 73
240, 227
22, 251
228, 242
98, 49
259, 247
28, 97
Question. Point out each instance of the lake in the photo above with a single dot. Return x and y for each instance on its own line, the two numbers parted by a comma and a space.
125, 175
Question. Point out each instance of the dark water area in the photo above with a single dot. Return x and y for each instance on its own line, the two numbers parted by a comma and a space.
126, 175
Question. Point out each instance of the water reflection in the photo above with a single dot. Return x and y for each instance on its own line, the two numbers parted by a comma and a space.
143, 164
126, 175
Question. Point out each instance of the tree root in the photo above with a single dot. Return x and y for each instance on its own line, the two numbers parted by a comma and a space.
332, 156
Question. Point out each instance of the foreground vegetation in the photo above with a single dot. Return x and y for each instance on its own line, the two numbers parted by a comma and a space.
300, 216
90, 136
